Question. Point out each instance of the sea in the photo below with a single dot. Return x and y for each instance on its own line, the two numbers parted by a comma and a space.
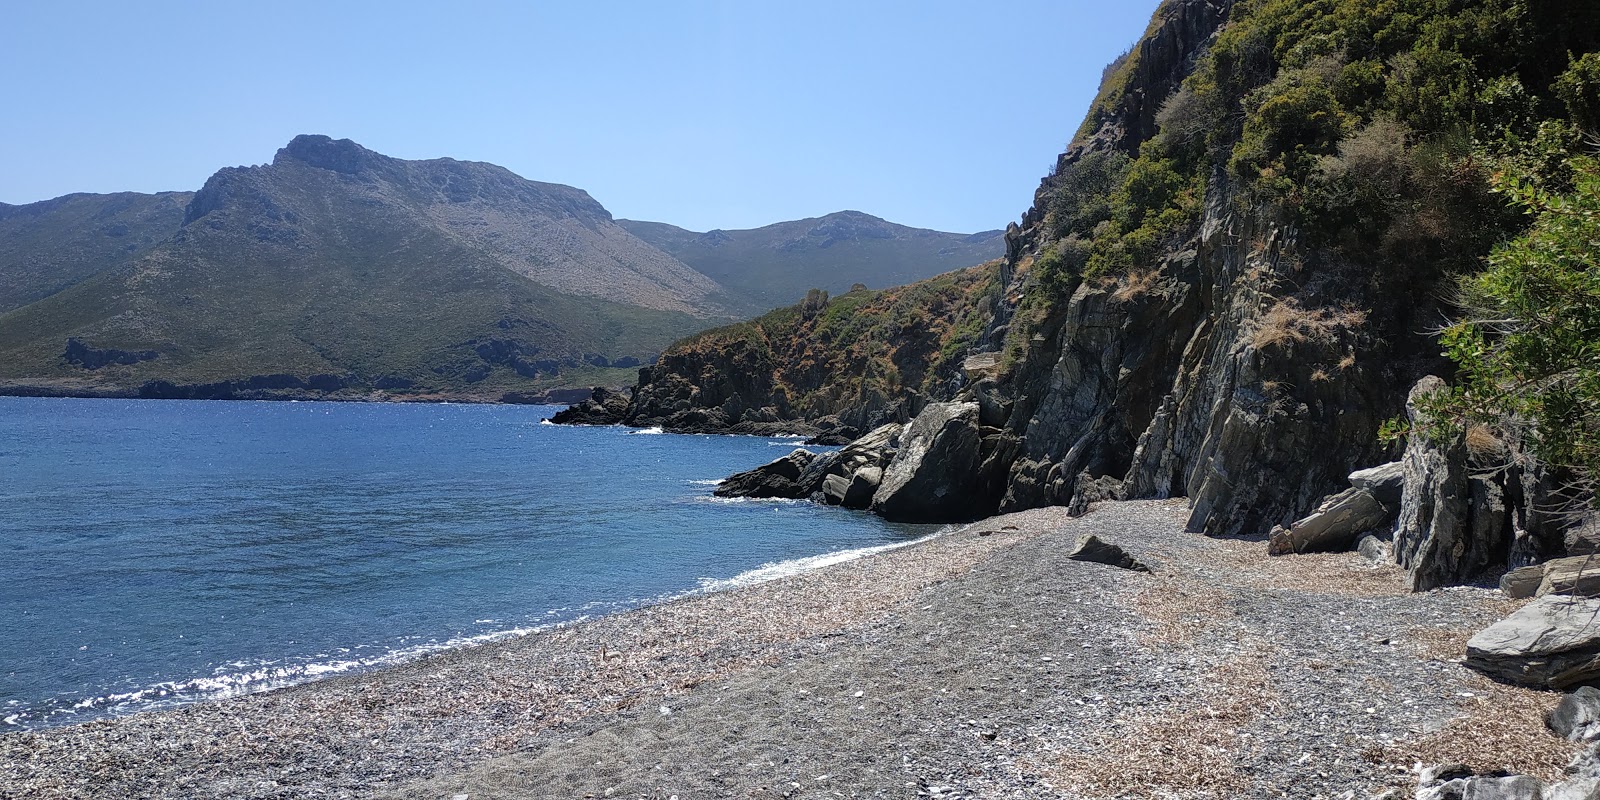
161, 552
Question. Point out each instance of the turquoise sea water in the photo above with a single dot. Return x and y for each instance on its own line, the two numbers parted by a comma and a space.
158, 552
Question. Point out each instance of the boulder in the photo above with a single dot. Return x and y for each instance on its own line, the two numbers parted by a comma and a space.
1375, 548
1577, 717
834, 488
1552, 642
1456, 782
1385, 481
1579, 575
1334, 526
863, 485
1584, 538
1574, 789
1096, 550
1452, 525
604, 407
830, 475
1522, 582
777, 479
930, 478
812, 477
1087, 490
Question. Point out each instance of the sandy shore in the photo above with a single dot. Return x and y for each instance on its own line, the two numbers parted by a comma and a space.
978, 664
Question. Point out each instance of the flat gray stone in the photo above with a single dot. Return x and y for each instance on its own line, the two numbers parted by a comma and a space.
1552, 642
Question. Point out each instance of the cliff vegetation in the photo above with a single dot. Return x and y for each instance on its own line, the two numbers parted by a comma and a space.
1242, 263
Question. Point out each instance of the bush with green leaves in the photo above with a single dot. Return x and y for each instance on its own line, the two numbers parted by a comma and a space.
1529, 346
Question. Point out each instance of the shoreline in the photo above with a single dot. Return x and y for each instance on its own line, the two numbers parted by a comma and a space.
404, 657
979, 660
506, 398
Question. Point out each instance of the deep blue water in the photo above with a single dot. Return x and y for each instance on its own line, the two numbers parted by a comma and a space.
156, 552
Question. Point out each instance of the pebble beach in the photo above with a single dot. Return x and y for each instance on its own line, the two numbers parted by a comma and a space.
980, 663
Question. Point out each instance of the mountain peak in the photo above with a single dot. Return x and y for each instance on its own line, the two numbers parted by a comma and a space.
324, 152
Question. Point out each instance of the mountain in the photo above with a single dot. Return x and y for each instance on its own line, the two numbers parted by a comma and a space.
777, 264
335, 269
339, 268
46, 247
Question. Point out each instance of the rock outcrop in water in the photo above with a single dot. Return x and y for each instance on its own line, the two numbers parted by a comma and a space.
602, 407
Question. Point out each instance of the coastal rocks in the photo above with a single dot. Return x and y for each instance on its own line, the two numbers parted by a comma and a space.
604, 407
93, 358
1385, 481
847, 477
855, 491
256, 387
1577, 717
1093, 549
1553, 642
1455, 782
931, 478
1453, 525
1577, 575
851, 476
777, 479
1522, 582
1333, 526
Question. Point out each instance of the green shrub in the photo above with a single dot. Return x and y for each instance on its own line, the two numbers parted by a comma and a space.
1579, 89
1530, 344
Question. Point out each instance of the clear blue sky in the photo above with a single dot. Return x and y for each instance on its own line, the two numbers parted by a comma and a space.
727, 114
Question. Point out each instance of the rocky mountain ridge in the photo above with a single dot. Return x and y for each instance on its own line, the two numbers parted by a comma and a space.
338, 271
776, 264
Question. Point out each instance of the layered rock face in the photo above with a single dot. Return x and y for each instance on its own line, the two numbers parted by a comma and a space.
1204, 378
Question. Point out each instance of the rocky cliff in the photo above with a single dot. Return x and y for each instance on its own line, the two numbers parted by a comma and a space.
840, 366
1232, 277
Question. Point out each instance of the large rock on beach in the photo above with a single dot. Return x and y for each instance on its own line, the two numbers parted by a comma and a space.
776, 479
1095, 550
931, 476
1385, 481
1334, 526
1577, 575
862, 486
1522, 582
1577, 717
604, 407
1452, 525
1551, 643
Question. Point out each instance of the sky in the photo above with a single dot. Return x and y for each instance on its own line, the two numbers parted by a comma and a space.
730, 114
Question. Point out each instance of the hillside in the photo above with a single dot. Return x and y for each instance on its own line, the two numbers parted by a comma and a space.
336, 268
853, 361
47, 246
1239, 267
777, 264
